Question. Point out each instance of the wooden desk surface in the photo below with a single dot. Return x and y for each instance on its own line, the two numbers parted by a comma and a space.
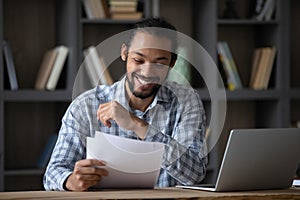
162, 193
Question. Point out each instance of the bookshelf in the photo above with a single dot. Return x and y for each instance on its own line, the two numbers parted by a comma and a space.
28, 116
278, 105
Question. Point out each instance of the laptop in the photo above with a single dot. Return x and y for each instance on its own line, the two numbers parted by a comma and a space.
256, 159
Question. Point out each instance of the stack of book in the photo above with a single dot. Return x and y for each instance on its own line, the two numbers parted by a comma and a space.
263, 61
96, 68
124, 9
229, 66
51, 68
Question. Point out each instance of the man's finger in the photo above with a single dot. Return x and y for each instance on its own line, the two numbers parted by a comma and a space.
90, 162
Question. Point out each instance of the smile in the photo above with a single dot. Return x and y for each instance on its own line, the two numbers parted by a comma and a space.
144, 81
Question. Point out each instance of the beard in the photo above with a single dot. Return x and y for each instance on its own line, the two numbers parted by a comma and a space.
141, 94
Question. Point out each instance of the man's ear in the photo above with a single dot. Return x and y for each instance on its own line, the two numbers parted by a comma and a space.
124, 52
173, 60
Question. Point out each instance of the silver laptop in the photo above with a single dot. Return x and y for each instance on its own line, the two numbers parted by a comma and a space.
257, 159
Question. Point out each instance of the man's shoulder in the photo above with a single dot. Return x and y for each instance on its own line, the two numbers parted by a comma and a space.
178, 89
100, 91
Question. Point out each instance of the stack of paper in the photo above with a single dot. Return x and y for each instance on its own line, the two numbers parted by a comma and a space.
130, 163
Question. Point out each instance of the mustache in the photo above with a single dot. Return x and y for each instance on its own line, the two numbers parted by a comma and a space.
147, 79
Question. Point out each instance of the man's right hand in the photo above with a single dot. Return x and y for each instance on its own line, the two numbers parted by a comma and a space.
85, 175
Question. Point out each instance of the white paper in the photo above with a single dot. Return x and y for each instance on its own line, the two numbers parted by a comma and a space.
296, 183
130, 163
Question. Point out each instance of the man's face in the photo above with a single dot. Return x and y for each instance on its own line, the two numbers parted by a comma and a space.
147, 67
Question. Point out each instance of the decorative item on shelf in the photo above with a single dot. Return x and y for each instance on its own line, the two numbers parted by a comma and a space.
51, 68
264, 9
10, 66
96, 68
230, 11
230, 68
262, 65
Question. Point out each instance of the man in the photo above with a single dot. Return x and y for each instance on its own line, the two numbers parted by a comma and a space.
143, 105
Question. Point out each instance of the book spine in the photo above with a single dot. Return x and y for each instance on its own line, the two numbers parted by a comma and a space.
90, 68
10, 66
233, 66
226, 64
57, 67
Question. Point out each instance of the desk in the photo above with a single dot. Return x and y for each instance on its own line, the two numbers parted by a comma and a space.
161, 193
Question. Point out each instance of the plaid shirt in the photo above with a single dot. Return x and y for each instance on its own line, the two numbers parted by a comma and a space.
176, 117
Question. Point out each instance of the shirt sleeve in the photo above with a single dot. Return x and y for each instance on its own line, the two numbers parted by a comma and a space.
69, 148
185, 156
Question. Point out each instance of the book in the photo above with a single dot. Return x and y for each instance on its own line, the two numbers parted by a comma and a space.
95, 9
255, 61
10, 66
233, 80
47, 151
99, 66
121, 9
262, 67
123, 3
90, 69
62, 52
45, 69
129, 16
263, 61
233, 65
87, 5
269, 67
125, 9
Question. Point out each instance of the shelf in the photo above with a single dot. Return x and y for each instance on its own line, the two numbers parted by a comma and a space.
243, 94
22, 172
35, 95
107, 21
245, 22
249, 94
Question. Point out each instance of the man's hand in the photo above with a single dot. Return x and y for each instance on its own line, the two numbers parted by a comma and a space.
125, 119
85, 174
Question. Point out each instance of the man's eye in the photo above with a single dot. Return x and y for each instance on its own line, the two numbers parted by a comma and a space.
159, 65
137, 61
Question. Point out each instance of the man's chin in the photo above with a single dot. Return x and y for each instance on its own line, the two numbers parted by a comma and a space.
143, 95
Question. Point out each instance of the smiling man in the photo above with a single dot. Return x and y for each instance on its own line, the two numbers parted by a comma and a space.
142, 105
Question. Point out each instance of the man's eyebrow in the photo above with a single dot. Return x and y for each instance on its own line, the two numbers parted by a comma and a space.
142, 55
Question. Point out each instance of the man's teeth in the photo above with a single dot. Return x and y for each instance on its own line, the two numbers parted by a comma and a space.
144, 81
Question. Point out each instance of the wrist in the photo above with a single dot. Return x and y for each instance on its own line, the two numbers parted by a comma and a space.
66, 184
140, 127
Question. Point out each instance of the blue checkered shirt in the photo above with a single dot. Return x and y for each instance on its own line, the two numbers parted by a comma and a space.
176, 117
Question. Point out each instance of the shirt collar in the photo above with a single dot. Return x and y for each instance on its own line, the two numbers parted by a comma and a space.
117, 92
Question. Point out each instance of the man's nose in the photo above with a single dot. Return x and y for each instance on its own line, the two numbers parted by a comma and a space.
147, 69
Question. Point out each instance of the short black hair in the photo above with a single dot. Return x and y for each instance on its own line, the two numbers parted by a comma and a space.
149, 23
